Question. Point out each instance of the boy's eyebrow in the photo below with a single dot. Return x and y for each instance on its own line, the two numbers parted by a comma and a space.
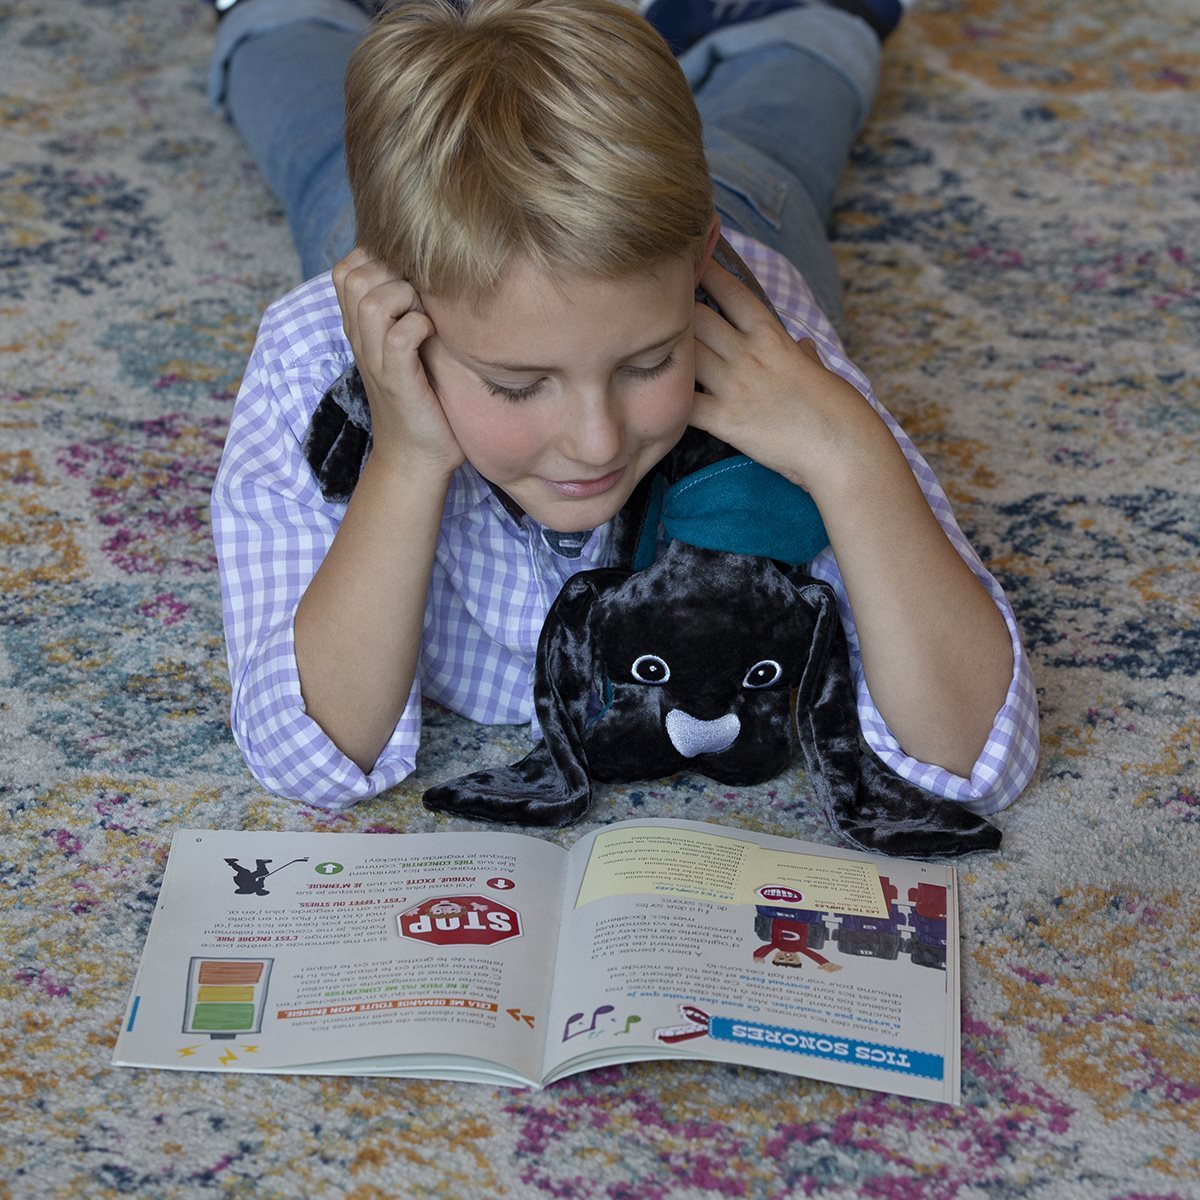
526, 368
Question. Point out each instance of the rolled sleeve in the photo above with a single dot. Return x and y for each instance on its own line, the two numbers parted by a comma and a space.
289, 753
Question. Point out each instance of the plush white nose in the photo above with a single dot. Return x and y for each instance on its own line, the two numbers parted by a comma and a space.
691, 736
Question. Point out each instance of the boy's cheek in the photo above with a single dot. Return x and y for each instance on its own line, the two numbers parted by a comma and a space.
494, 433
684, 399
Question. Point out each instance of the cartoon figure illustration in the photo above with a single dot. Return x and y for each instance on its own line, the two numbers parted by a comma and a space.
247, 882
250, 883
789, 937
697, 1026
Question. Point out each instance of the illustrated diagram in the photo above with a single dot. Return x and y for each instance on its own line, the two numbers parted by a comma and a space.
794, 935
927, 945
915, 927
226, 996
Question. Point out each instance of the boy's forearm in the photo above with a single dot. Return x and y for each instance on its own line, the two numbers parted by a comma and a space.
936, 651
358, 626
935, 648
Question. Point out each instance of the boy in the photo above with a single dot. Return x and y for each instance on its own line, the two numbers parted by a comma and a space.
533, 214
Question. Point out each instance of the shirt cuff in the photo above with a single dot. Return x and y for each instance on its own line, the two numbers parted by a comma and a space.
290, 754
1009, 756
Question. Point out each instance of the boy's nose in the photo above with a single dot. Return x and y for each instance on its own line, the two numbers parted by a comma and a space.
593, 431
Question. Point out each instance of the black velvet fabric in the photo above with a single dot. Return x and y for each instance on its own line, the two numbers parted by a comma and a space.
717, 663
339, 437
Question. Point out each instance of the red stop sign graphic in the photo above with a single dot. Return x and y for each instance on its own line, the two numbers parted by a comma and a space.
460, 921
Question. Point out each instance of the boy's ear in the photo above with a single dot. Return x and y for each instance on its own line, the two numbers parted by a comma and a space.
710, 242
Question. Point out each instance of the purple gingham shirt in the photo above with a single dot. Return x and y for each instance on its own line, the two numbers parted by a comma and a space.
493, 578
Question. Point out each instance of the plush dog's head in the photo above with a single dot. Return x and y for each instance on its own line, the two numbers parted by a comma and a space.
697, 662
691, 664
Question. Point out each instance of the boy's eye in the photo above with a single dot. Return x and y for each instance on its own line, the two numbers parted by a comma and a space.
512, 393
529, 389
654, 371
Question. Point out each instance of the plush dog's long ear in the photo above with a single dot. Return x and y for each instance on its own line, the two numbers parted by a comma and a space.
550, 785
866, 803
339, 436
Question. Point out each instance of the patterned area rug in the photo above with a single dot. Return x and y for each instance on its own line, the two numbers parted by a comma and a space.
1019, 232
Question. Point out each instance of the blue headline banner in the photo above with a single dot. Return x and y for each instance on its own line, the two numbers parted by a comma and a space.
835, 1049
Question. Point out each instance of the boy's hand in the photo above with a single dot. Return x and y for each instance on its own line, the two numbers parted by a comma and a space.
386, 326
769, 395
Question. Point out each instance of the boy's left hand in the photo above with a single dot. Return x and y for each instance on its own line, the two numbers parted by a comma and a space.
768, 395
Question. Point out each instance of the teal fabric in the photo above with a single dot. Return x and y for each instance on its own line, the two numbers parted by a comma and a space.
647, 547
743, 507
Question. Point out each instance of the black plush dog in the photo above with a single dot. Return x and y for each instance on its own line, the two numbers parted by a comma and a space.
724, 664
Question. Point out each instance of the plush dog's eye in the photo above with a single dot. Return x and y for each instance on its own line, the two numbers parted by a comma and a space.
763, 674
649, 668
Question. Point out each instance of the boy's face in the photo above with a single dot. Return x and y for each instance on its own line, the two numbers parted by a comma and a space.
564, 393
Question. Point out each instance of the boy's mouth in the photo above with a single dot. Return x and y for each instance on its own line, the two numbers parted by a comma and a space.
582, 489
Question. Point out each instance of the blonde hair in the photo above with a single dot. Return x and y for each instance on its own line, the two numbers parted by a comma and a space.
558, 131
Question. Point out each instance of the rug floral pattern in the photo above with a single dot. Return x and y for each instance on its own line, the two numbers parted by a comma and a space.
1018, 231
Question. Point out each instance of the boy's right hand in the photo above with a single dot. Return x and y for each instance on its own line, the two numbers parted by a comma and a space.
386, 325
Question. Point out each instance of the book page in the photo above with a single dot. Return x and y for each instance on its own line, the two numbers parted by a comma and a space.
317, 951
693, 940
719, 866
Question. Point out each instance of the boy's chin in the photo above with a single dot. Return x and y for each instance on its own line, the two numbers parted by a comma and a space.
575, 518
564, 513
562, 516
578, 516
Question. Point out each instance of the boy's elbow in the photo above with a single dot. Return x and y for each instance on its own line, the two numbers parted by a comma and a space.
974, 692
297, 761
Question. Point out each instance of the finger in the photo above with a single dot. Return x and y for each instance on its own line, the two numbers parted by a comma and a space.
706, 413
356, 276
342, 268
742, 308
387, 301
406, 336
360, 280
714, 331
709, 366
355, 258
368, 315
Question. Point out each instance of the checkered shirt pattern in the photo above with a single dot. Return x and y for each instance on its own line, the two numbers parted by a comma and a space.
493, 580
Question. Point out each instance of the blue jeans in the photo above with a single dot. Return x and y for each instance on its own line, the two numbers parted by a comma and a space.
782, 100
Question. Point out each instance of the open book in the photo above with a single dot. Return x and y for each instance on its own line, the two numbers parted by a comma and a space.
505, 959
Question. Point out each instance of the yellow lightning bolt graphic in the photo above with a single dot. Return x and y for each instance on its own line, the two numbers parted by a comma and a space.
249, 1049
227, 1057
187, 1051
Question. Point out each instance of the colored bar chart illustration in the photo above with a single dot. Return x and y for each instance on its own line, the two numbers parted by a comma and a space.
226, 996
